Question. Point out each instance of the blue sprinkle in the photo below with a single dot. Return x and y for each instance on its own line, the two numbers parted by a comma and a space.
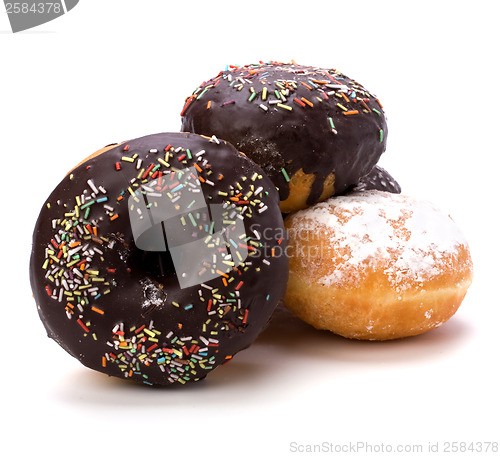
101, 200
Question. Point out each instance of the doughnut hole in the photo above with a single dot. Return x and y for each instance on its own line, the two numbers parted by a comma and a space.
156, 264
300, 188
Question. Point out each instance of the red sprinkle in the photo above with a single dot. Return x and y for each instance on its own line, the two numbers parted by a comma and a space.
147, 171
301, 103
152, 347
83, 325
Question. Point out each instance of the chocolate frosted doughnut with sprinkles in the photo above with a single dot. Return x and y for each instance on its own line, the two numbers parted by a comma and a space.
149, 259
314, 131
377, 179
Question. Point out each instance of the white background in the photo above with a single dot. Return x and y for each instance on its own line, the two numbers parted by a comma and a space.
118, 69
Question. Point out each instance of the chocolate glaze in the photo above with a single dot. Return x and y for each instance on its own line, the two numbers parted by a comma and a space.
135, 321
378, 179
315, 135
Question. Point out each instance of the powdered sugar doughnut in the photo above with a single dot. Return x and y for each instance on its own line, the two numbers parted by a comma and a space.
376, 265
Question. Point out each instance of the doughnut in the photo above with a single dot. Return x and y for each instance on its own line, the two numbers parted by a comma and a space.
149, 260
376, 265
314, 131
377, 179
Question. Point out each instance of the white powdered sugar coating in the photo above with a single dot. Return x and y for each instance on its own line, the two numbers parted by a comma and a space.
411, 239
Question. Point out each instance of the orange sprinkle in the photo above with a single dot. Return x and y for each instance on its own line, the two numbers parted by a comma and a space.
272, 252
365, 106
306, 101
221, 176
99, 311
103, 361
114, 217
197, 167
119, 198
319, 82
74, 244
307, 85
209, 104
222, 274
224, 281
179, 325
350, 113
345, 98
201, 179
379, 103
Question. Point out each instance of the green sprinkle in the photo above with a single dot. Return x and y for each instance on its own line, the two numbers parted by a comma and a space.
285, 174
254, 94
202, 93
190, 215
378, 112
381, 135
331, 122
84, 206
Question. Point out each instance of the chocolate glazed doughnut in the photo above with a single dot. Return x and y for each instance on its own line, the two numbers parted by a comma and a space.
314, 131
377, 179
149, 260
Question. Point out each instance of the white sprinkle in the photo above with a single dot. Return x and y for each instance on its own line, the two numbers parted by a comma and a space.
92, 186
